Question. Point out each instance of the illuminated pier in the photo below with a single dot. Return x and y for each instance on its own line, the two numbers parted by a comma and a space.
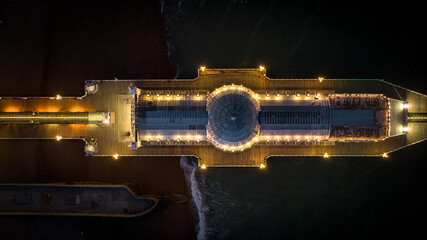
226, 117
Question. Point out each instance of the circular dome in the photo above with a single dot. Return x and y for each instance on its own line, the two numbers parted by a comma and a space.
233, 117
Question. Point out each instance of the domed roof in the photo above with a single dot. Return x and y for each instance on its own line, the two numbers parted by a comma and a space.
233, 117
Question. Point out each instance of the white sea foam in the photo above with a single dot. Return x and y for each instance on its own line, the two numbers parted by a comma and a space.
211, 203
190, 171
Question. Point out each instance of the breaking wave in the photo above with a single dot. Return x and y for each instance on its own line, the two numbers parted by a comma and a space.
190, 172
211, 204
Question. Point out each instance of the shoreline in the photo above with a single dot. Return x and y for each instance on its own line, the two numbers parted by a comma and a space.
52, 48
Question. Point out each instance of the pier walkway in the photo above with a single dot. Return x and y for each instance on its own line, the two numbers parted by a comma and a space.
113, 138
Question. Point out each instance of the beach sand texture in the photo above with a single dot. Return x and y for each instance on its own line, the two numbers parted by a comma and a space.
52, 47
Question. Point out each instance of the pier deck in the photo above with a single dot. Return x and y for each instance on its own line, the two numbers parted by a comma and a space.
113, 138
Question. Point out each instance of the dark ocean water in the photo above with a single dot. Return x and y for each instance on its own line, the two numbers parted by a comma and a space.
310, 198
293, 198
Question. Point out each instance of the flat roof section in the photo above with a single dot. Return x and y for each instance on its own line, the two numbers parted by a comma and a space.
352, 117
110, 141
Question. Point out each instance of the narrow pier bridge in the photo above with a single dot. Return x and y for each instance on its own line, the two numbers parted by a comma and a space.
225, 117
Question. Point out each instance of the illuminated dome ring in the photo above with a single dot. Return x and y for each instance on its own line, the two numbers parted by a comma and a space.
233, 117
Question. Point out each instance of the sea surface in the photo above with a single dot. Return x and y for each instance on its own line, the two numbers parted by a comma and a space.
304, 197
51, 47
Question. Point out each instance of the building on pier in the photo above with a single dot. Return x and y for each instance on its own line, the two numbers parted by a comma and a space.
226, 117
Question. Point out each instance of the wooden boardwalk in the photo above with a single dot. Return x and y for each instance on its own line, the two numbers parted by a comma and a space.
113, 138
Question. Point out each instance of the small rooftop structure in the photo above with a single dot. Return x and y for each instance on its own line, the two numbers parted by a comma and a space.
226, 117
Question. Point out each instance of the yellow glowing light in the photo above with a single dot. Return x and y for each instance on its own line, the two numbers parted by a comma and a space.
385, 155
58, 138
261, 68
106, 121
116, 156
321, 79
58, 97
262, 166
73, 109
405, 129
203, 68
11, 109
325, 155
203, 166
405, 105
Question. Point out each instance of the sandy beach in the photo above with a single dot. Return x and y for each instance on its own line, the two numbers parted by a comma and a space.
52, 47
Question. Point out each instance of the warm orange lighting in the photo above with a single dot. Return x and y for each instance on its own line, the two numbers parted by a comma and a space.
106, 121
58, 138
203, 68
325, 155
262, 166
75, 109
77, 126
261, 68
11, 109
48, 109
321, 79
116, 156
203, 166
385, 155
